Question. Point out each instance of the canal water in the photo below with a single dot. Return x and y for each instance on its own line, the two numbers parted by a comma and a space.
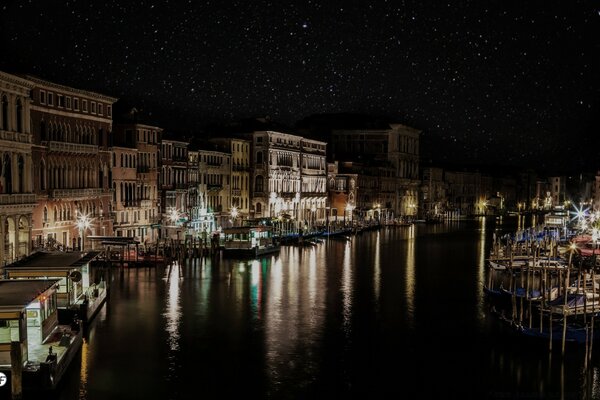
395, 313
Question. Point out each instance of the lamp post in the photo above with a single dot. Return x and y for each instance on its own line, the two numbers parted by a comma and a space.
83, 223
234, 214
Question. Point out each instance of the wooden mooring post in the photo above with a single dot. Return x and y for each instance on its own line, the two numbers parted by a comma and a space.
16, 362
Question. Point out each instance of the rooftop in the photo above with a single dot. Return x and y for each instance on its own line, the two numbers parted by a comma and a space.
58, 259
21, 292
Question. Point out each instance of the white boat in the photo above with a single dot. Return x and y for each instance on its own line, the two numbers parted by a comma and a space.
249, 241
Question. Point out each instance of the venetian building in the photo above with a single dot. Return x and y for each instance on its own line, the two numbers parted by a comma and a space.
394, 149
313, 196
136, 200
71, 157
240, 175
277, 176
174, 186
17, 199
214, 190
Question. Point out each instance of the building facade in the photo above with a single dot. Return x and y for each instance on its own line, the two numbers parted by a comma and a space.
313, 175
136, 201
71, 157
215, 190
277, 182
396, 146
240, 174
17, 199
174, 185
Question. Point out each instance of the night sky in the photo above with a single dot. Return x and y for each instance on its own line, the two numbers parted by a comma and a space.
487, 82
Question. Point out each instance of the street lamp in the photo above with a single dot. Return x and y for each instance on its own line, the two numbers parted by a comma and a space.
234, 214
83, 223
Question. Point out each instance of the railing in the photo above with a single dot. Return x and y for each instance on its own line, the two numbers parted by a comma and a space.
214, 187
15, 136
240, 168
76, 193
72, 147
18, 198
236, 192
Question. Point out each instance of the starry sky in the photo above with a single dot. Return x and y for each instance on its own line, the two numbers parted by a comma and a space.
487, 81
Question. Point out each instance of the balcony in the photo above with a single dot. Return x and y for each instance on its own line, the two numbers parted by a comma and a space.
18, 198
76, 194
236, 192
15, 136
77, 148
240, 168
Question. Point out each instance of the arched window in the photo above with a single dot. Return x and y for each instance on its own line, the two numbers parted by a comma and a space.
259, 184
45, 214
21, 175
43, 130
43, 176
7, 174
259, 208
4, 113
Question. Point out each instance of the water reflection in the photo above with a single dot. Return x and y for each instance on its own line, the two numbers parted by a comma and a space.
409, 292
172, 313
377, 268
481, 248
293, 316
302, 325
346, 288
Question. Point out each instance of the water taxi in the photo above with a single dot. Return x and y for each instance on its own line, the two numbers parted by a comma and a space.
249, 241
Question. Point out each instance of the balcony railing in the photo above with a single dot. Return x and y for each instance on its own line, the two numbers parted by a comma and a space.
15, 136
236, 192
18, 198
72, 147
76, 193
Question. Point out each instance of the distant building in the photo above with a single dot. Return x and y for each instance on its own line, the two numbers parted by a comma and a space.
240, 174
136, 200
174, 186
434, 193
214, 190
71, 157
343, 192
398, 146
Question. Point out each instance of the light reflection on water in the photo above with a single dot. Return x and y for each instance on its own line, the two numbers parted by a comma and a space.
481, 249
346, 288
410, 276
172, 312
377, 268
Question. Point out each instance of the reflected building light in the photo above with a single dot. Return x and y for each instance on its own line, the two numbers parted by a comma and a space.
83, 375
410, 276
173, 308
481, 270
312, 277
255, 289
347, 287
377, 268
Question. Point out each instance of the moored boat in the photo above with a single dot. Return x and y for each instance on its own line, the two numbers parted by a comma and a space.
249, 241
